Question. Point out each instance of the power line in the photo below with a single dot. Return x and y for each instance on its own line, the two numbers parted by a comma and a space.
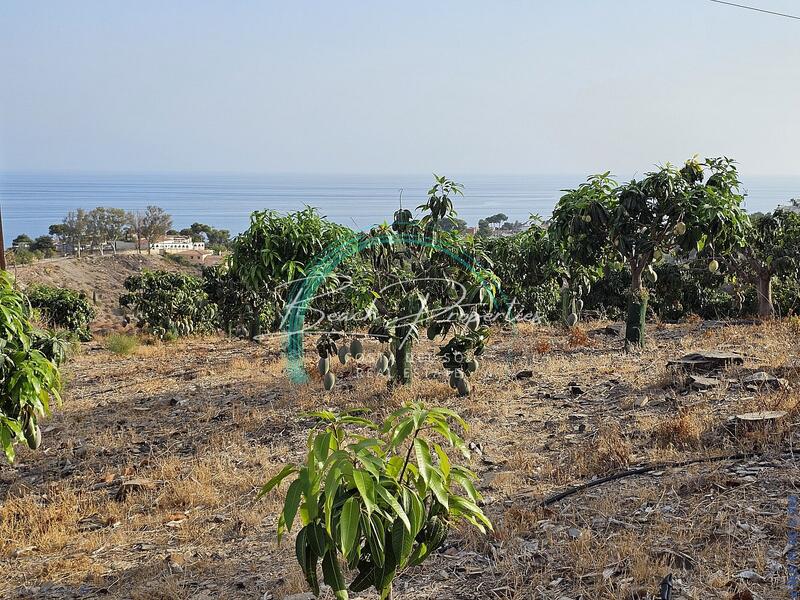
761, 10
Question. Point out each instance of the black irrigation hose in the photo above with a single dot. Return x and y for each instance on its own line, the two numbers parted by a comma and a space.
644, 469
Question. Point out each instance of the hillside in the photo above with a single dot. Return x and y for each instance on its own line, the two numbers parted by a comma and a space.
102, 276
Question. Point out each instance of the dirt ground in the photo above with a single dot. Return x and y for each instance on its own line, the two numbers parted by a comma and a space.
145, 485
99, 277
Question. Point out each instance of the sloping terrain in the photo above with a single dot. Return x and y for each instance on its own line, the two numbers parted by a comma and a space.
99, 277
145, 485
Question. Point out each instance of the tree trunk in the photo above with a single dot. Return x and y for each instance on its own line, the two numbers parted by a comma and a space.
402, 372
765, 307
567, 305
637, 309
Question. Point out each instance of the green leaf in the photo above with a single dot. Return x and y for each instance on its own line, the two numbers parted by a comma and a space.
322, 445
423, 453
348, 524
366, 488
365, 577
444, 461
307, 557
293, 495
376, 534
402, 431
284, 473
402, 543
438, 489
332, 573
394, 504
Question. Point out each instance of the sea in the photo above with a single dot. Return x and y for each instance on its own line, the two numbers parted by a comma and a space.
31, 202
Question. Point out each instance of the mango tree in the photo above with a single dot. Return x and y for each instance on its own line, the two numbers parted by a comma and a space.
380, 497
578, 235
671, 210
269, 257
523, 263
772, 248
29, 378
425, 276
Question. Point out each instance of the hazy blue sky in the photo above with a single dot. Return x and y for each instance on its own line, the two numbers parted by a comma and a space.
567, 86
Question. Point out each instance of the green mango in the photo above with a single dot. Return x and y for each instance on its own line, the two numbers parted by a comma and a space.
324, 365
356, 349
329, 381
33, 434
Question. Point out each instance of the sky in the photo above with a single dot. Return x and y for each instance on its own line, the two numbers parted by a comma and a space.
365, 87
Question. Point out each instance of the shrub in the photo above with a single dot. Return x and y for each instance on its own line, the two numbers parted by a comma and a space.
523, 263
22, 256
56, 346
169, 304
242, 311
119, 343
63, 308
274, 253
29, 381
364, 499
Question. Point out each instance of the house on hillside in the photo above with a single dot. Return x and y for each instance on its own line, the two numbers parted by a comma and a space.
205, 258
176, 243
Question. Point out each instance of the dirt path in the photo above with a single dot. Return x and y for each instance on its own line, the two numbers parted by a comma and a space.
146, 482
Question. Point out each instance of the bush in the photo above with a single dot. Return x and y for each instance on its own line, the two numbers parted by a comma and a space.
523, 264
22, 256
169, 304
63, 308
274, 254
365, 500
242, 311
122, 344
29, 380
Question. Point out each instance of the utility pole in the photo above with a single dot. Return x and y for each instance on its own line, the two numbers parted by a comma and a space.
2, 243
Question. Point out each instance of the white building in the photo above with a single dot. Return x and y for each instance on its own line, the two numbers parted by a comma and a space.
176, 243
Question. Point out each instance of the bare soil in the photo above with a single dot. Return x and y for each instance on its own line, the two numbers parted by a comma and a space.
145, 485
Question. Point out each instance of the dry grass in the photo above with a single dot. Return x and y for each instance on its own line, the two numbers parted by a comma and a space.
204, 422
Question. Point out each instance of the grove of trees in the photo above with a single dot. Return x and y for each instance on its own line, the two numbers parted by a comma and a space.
674, 243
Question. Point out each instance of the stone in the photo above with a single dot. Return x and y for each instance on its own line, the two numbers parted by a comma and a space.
763, 379
706, 362
701, 383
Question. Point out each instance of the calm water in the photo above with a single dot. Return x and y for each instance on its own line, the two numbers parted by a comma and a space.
33, 201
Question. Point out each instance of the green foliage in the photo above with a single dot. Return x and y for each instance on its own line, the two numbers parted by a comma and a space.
421, 275
29, 381
43, 244
693, 209
122, 344
63, 308
57, 346
242, 311
379, 497
274, 253
213, 238
772, 249
523, 263
22, 256
169, 305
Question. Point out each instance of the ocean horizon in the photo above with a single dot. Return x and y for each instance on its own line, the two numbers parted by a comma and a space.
32, 201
